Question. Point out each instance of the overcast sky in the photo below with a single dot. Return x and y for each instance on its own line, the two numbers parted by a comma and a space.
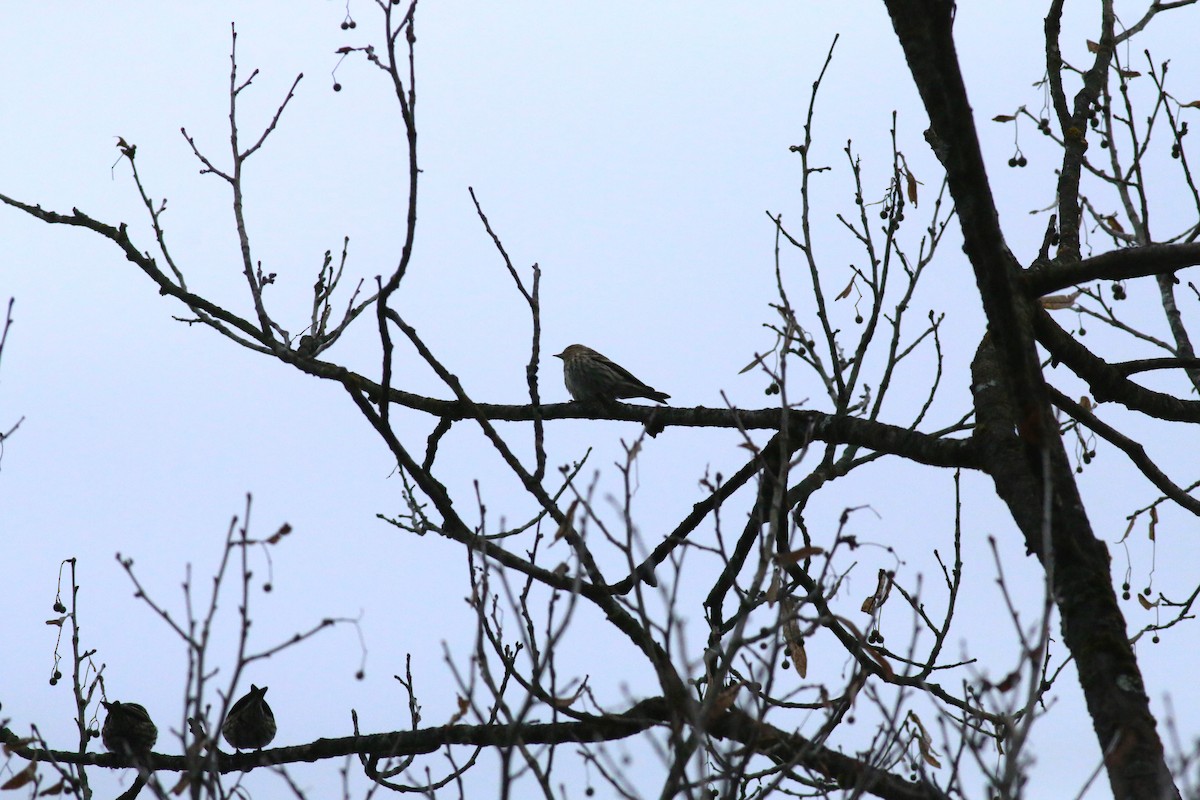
632, 150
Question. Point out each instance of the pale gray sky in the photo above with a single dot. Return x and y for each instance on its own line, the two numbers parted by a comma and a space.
632, 150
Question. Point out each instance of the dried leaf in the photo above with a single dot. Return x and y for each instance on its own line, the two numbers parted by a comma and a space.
794, 639
1129, 73
1128, 528
923, 742
1153, 530
1056, 302
182, 784
50, 791
128, 150
58, 623
724, 699
757, 360
1193, 104
1093, 47
884, 666
912, 186
1146, 604
850, 696
464, 705
568, 521
1010, 680
283, 531
795, 648
1003, 118
883, 587
773, 588
798, 555
846, 292
567, 702
21, 778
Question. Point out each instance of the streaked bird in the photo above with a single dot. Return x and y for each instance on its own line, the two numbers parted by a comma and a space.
128, 729
591, 376
250, 724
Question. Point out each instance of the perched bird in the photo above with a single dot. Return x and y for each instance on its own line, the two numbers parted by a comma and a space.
250, 724
128, 729
591, 376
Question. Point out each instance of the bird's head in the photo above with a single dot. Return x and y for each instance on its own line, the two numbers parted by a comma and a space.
571, 351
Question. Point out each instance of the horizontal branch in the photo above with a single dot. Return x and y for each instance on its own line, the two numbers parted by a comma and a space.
924, 448
734, 724
1115, 265
1149, 364
640, 717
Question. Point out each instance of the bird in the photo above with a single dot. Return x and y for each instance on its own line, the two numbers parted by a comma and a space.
128, 729
591, 376
250, 724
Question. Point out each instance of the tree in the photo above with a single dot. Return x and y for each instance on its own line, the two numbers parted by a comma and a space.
724, 619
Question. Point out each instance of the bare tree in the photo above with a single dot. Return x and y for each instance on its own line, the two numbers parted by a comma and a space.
723, 719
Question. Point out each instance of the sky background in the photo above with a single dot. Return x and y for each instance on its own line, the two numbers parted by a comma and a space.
632, 150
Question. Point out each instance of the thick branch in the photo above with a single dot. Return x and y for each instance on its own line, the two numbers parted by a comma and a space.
1029, 467
1078, 567
780, 746
1116, 265
1109, 383
790, 748
925, 31
1131, 448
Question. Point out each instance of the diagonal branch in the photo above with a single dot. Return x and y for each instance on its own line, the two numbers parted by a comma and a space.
255, 339
1107, 382
1135, 451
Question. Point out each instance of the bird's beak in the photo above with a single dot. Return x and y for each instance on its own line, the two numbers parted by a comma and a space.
558, 355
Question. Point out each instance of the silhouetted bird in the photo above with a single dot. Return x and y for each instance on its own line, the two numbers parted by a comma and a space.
250, 724
591, 376
128, 729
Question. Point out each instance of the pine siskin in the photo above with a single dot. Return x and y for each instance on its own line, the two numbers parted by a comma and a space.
251, 723
591, 376
128, 729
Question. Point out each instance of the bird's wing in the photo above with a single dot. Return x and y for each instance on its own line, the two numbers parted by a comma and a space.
627, 375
